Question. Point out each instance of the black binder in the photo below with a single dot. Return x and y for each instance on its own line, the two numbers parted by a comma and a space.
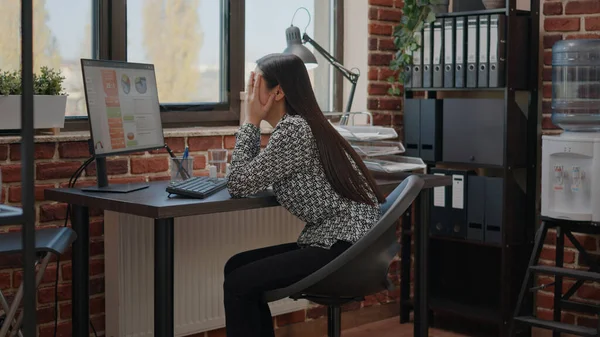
460, 45
438, 51
472, 51
497, 50
484, 51
439, 224
427, 50
417, 73
449, 212
494, 192
476, 208
449, 53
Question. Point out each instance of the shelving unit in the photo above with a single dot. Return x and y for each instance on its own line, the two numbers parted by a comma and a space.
480, 280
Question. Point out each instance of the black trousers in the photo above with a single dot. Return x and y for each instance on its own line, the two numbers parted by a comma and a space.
249, 274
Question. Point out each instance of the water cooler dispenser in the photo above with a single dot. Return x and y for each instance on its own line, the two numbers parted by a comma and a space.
571, 161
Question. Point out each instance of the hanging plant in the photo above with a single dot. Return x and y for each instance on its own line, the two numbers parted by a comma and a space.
415, 14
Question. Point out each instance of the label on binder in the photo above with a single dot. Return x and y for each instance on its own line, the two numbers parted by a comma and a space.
458, 191
439, 194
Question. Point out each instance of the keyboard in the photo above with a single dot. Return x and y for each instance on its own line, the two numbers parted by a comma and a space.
197, 187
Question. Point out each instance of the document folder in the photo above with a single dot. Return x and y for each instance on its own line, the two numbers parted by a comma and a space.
439, 224
417, 73
484, 47
458, 209
449, 53
497, 50
476, 208
459, 61
438, 60
427, 74
472, 51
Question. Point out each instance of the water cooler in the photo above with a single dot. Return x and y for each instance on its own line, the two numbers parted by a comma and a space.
571, 161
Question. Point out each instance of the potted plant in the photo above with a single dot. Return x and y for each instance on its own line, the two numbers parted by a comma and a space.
49, 102
415, 14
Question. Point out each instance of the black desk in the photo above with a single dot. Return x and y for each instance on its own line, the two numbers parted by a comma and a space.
153, 203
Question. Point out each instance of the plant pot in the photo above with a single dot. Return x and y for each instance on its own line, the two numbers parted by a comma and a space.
493, 4
48, 112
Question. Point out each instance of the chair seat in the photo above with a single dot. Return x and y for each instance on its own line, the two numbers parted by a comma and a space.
54, 240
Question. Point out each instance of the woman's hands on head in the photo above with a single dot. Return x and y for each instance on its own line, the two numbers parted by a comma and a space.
256, 111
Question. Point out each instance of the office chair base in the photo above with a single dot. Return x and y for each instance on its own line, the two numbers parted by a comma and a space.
334, 321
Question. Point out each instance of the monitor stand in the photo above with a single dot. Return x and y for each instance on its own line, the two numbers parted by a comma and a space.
104, 187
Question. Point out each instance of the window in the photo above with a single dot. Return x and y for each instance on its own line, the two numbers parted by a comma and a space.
62, 36
265, 34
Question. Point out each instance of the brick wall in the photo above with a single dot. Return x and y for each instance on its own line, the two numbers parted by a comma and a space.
566, 20
560, 20
55, 163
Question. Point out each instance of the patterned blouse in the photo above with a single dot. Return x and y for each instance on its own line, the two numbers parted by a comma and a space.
290, 163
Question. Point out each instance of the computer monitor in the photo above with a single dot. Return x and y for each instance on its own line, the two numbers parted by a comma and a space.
123, 110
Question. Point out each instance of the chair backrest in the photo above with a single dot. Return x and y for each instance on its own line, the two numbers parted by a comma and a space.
363, 268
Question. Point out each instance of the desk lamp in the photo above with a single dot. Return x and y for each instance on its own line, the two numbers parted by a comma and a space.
295, 45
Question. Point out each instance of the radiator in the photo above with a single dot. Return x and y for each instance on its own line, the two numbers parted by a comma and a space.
202, 246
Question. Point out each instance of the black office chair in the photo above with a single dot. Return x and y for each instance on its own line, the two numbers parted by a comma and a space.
48, 241
362, 269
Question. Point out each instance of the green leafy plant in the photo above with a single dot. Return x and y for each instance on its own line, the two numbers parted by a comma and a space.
47, 82
415, 14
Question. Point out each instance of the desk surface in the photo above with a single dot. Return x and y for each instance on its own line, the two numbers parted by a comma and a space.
152, 202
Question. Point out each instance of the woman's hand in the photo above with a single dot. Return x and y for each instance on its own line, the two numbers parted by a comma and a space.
255, 110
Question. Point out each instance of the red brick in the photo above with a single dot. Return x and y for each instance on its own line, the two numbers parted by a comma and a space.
592, 23
149, 165
60, 170
548, 58
113, 167
5, 280
46, 294
587, 322
229, 142
582, 7
392, 15
11, 173
199, 162
63, 330
550, 40
386, 3
74, 150
399, 4
380, 29
582, 36
545, 300
291, 318
176, 144
547, 74
80, 183
544, 314
378, 88
382, 119
3, 152
390, 104
96, 268
553, 8
549, 253
352, 306
373, 13
546, 107
11, 261
372, 103
96, 227
373, 43
97, 305
96, 286
205, 143
97, 247
14, 192
98, 322
159, 178
373, 74
126, 180
547, 90
45, 315
48, 278
316, 312
385, 73
589, 242
589, 291
41, 151
387, 45
52, 212
380, 59
562, 24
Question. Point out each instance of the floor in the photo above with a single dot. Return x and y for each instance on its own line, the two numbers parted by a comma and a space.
391, 328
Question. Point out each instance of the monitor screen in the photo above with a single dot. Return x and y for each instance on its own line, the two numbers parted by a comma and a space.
122, 105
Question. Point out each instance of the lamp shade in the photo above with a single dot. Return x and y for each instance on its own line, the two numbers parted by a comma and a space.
295, 46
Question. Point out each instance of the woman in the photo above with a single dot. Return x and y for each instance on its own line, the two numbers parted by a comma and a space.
315, 174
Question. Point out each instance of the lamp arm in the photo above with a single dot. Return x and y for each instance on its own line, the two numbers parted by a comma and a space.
348, 74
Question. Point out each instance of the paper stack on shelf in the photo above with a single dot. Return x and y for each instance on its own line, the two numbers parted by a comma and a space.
392, 164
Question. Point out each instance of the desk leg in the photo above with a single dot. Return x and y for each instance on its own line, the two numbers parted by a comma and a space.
81, 263
421, 328
164, 325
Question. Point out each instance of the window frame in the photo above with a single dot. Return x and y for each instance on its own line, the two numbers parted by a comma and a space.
109, 18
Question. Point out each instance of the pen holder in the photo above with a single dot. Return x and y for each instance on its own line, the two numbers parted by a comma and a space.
181, 168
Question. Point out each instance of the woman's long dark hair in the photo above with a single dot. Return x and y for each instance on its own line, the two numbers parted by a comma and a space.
289, 72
